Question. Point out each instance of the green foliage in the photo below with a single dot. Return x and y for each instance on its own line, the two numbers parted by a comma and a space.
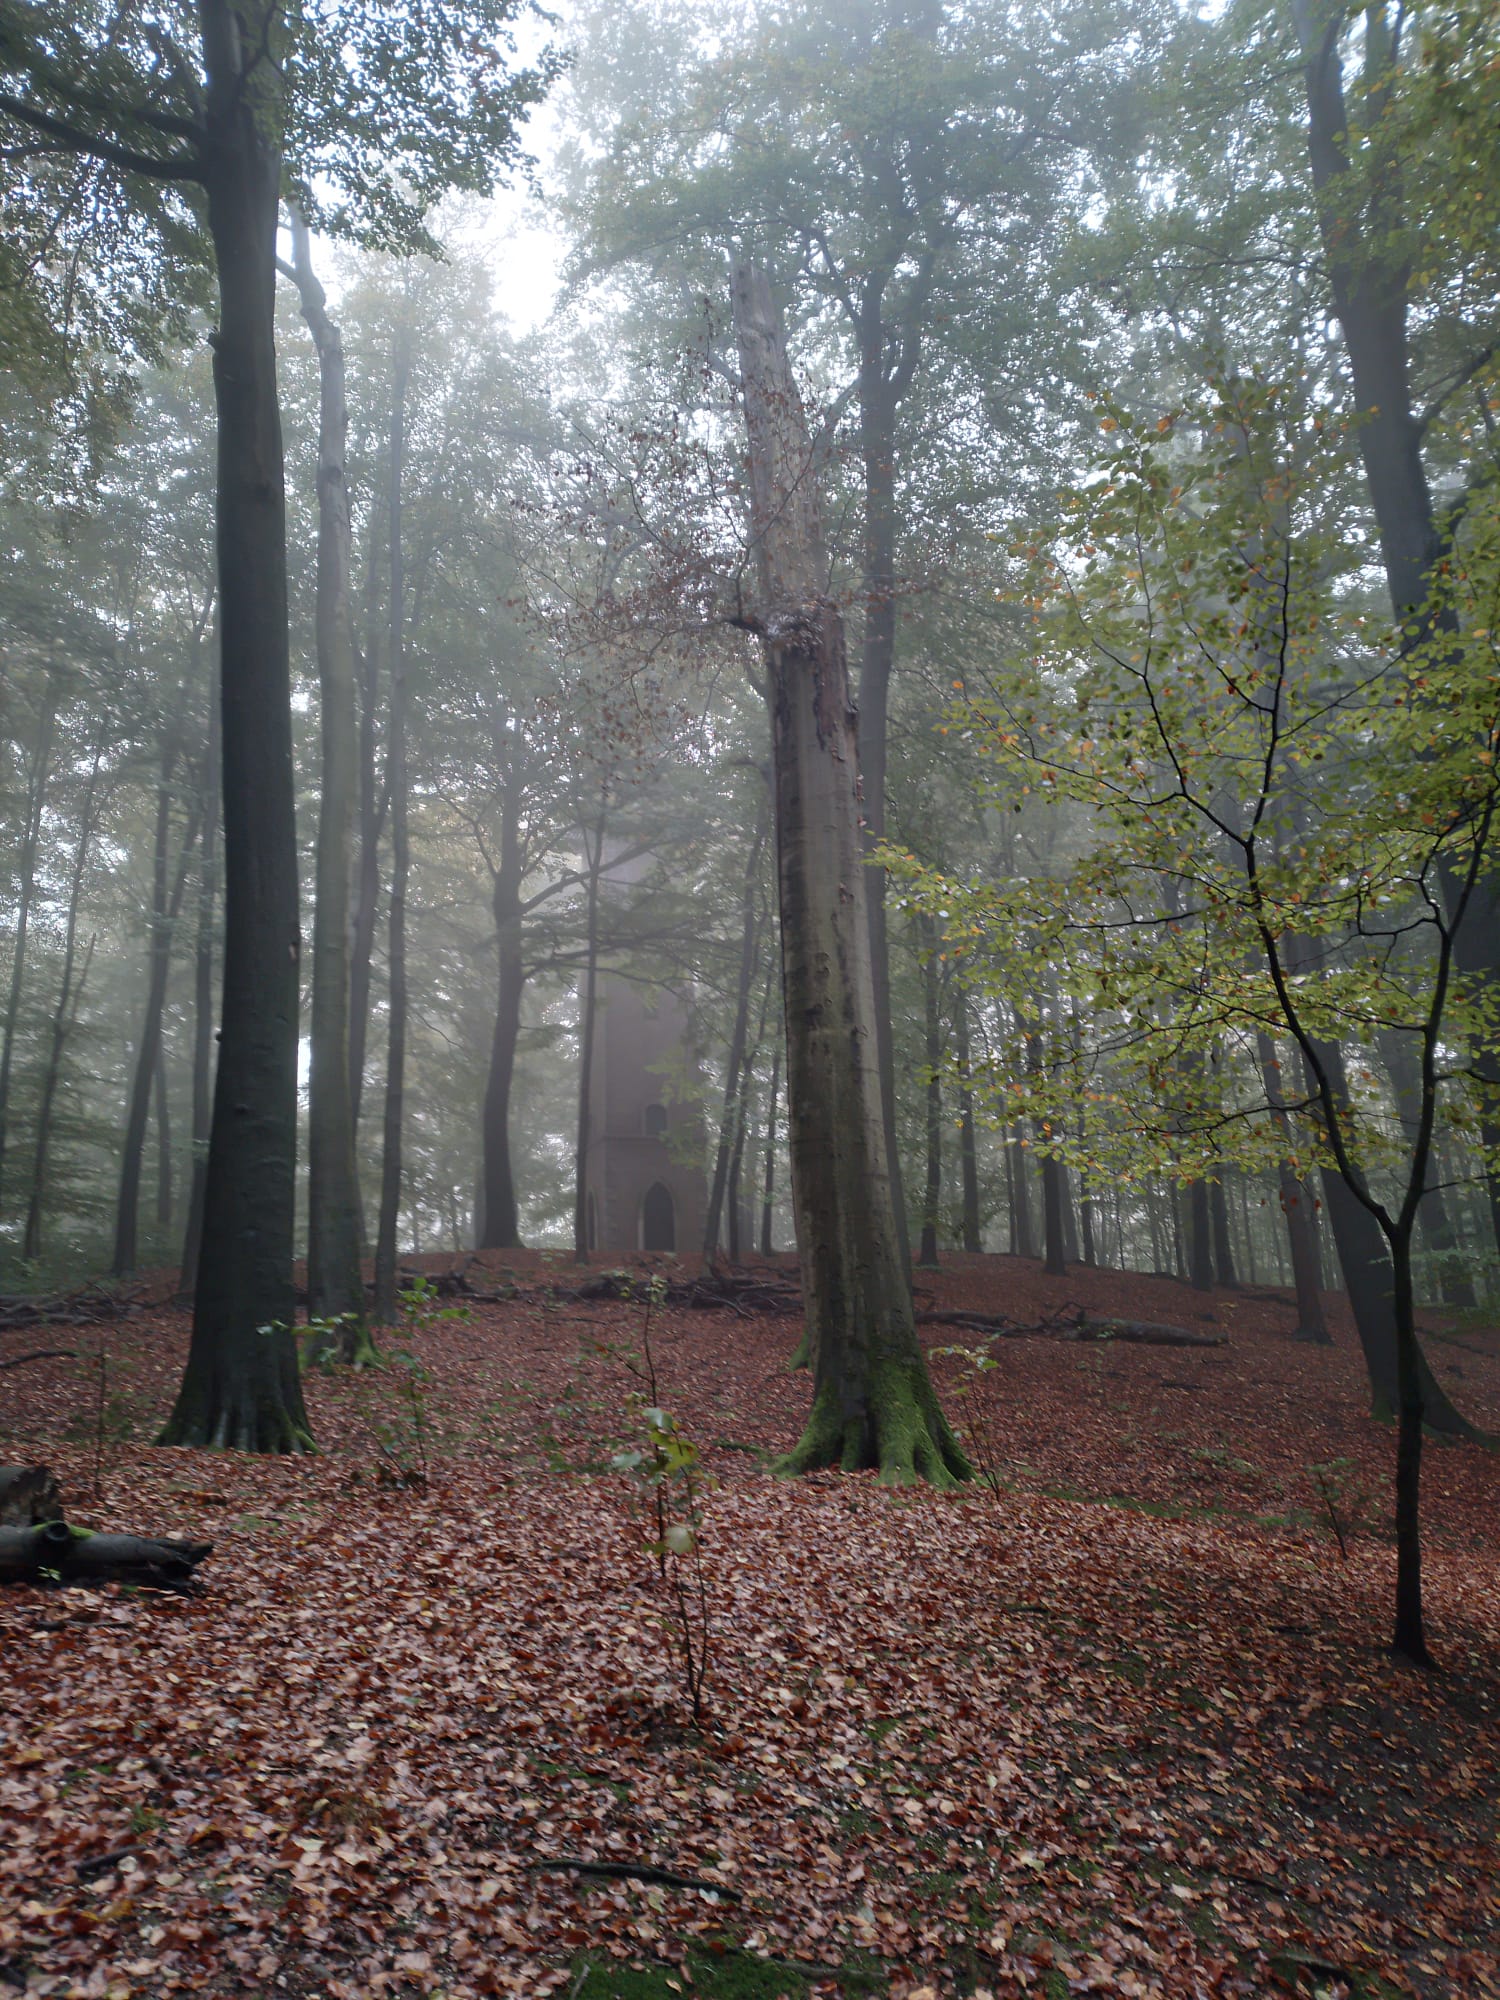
1281, 806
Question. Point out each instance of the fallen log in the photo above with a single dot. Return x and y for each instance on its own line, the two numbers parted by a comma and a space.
56, 1553
28, 1494
1074, 1325
40, 1354
1147, 1333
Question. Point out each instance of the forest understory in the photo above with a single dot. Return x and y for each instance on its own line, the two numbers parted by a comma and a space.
1121, 1723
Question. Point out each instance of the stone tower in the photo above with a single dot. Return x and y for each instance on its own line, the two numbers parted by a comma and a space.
643, 1167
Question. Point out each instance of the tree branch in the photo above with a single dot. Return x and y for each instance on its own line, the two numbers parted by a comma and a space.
178, 167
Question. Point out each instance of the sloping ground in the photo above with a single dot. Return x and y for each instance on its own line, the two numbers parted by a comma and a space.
1125, 1726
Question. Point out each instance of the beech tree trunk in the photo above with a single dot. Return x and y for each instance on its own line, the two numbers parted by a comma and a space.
166, 907
1200, 1238
241, 1388
499, 1223
395, 1056
734, 1078
1023, 1237
335, 1215
63, 1017
932, 1188
203, 1017
877, 432
1296, 1206
588, 1000
968, 1155
36, 793
1367, 256
768, 1181
873, 1402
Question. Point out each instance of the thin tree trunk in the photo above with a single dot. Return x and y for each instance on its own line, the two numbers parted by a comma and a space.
163, 1138
768, 1180
203, 1016
932, 1188
499, 1224
742, 1138
968, 1157
873, 1402
735, 1062
241, 1387
1054, 1247
166, 908
588, 1003
63, 1017
395, 1060
1023, 1237
36, 793
1200, 1238
1218, 1201
335, 1215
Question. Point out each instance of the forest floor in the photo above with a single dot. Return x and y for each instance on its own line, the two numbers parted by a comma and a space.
1124, 1725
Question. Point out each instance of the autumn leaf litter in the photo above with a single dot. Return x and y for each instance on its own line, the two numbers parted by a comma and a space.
1126, 1729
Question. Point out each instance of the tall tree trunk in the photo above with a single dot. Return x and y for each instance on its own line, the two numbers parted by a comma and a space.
1367, 257
768, 1180
968, 1157
499, 1223
733, 1195
1200, 1238
735, 1061
63, 1016
395, 1057
335, 1215
36, 793
203, 1018
877, 432
932, 1189
241, 1388
1054, 1247
873, 1402
588, 1003
163, 1138
1218, 1201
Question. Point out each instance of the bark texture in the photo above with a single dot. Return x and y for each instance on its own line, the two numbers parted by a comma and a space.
335, 1217
241, 1388
873, 1403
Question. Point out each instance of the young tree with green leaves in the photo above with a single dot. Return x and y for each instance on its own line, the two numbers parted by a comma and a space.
1280, 788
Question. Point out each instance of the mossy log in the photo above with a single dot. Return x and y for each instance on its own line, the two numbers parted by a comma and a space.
55, 1553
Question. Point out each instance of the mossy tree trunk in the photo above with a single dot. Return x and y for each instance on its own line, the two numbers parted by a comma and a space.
873, 1403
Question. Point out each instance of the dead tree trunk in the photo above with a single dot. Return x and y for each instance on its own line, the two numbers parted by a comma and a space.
873, 1402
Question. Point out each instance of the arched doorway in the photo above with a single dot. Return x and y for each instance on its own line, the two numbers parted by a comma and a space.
658, 1219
